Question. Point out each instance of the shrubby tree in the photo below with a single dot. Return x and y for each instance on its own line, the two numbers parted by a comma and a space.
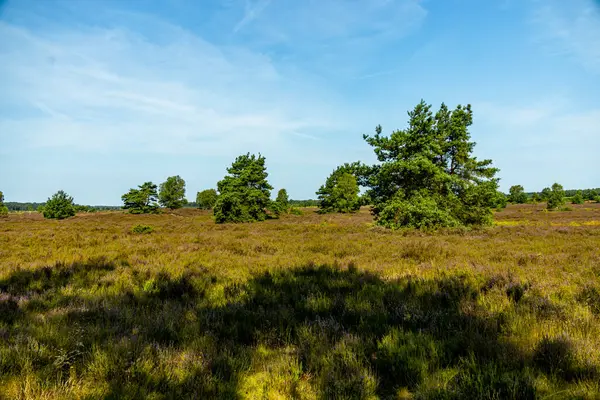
172, 193
142, 200
59, 206
536, 198
578, 198
281, 205
500, 201
3, 208
545, 195
244, 194
206, 199
427, 176
517, 195
556, 197
340, 192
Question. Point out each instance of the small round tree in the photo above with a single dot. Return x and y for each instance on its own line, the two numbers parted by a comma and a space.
59, 206
172, 193
517, 195
340, 193
556, 197
206, 199
578, 198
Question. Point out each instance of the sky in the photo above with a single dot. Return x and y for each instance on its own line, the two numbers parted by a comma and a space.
97, 97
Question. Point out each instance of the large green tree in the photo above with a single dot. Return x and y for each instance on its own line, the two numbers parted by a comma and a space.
172, 193
3, 208
517, 195
340, 192
244, 194
556, 197
59, 206
142, 200
206, 199
427, 176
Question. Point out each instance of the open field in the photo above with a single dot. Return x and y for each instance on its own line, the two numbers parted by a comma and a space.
311, 306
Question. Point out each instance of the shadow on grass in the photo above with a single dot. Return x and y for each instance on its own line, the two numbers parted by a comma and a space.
310, 332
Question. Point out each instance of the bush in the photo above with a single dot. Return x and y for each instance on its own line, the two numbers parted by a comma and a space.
59, 206
420, 212
296, 211
555, 197
142, 229
578, 198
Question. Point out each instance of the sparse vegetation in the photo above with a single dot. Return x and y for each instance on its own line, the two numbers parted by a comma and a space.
142, 229
59, 206
317, 306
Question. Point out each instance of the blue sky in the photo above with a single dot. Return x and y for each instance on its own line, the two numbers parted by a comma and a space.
99, 96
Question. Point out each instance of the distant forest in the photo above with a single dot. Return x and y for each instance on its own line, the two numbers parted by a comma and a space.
17, 206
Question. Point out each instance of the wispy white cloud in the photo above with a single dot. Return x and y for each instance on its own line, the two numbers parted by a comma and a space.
252, 11
113, 88
570, 28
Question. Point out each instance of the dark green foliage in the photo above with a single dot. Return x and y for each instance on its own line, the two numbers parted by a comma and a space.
206, 199
340, 192
3, 208
59, 206
556, 197
536, 198
142, 200
172, 193
283, 200
545, 194
244, 193
142, 229
578, 198
517, 195
427, 176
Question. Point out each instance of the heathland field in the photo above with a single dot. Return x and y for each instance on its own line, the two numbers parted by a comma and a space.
308, 306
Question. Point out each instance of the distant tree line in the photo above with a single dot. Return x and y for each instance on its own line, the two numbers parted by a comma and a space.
554, 196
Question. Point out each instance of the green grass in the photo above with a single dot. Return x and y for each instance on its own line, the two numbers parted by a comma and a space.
309, 306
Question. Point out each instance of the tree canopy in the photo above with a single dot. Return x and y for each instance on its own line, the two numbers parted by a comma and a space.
517, 195
427, 176
172, 193
244, 194
340, 192
59, 206
142, 200
556, 197
206, 199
